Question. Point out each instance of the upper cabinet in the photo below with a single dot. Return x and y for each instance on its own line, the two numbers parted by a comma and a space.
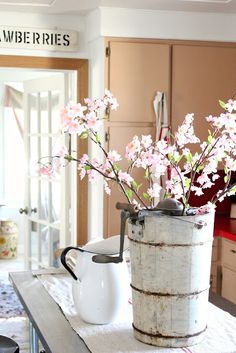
135, 72
194, 76
202, 75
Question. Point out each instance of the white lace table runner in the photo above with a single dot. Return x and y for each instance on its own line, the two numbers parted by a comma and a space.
117, 337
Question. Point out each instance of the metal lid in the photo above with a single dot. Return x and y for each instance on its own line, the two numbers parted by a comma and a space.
171, 207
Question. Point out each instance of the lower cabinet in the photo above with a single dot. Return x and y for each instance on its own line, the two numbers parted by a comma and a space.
229, 284
228, 261
215, 282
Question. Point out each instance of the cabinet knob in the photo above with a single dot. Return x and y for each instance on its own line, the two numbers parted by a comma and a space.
34, 210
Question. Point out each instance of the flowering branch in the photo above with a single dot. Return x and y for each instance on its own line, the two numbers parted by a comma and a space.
185, 173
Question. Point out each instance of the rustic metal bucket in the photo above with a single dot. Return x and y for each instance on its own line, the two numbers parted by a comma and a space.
170, 274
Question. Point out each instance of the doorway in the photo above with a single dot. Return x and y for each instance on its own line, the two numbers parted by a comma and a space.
45, 66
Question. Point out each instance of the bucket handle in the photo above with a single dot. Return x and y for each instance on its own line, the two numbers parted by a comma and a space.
104, 259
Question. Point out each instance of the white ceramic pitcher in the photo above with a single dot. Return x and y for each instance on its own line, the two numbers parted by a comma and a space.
100, 290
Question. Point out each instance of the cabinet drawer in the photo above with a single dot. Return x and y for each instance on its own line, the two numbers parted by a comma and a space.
229, 253
229, 284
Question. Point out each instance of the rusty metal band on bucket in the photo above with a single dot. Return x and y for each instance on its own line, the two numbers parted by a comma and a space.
167, 294
159, 335
165, 244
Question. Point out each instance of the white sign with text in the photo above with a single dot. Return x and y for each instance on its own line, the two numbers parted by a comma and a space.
35, 38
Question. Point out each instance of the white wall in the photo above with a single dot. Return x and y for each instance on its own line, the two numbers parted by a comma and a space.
167, 24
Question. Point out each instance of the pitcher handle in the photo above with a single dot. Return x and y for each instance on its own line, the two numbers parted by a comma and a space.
63, 260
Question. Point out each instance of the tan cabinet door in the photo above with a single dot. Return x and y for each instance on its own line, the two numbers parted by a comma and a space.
124, 133
229, 284
135, 72
201, 75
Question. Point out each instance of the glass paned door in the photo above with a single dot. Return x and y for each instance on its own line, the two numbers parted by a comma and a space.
47, 200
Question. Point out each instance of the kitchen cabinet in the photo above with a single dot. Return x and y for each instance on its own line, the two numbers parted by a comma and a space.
215, 280
194, 75
229, 270
201, 76
135, 71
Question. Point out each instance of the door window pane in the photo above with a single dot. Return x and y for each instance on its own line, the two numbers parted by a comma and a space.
55, 112
33, 114
44, 112
56, 201
34, 189
34, 155
44, 200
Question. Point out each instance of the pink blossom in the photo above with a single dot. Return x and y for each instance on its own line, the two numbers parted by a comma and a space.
146, 141
136, 205
110, 100
92, 175
185, 132
77, 110
125, 177
47, 170
113, 156
215, 177
154, 191
230, 105
133, 148
82, 172
106, 188
203, 178
84, 159
162, 147
230, 163
63, 151
198, 190
105, 167
209, 207
92, 122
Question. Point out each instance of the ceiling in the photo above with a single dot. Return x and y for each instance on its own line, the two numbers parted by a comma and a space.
80, 7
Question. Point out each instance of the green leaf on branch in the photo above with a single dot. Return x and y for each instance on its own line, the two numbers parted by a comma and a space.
69, 158
185, 202
129, 193
187, 182
209, 139
116, 167
84, 135
146, 196
178, 159
97, 138
147, 173
139, 186
189, 157
87, 167
222, 104
226, 178
135, 185
199, 168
